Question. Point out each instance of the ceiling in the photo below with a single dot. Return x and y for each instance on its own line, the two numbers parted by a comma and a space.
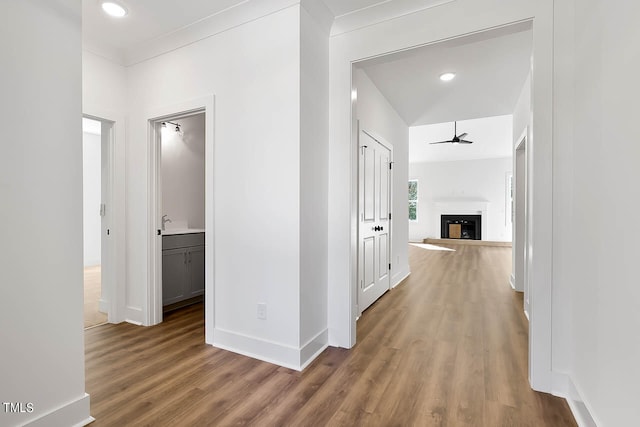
146, 20
492, 138
491, 68
149, 20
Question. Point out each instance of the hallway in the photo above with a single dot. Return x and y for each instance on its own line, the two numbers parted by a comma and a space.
446, 347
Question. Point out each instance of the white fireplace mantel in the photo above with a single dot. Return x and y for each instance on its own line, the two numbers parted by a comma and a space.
464, 207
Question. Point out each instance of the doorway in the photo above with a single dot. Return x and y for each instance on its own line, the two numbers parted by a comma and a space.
181, 199
374, 231
197, 258
97, 191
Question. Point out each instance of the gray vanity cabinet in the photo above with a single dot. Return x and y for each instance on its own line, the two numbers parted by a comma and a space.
182, 267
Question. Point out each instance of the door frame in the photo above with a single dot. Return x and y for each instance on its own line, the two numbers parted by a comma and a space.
520, 249
342, 316
153, 302
113, 271
389, 147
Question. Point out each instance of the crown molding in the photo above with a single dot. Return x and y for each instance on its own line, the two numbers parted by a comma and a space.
237, 15
383, 11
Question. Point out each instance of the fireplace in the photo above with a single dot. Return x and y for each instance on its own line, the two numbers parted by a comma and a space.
461, 227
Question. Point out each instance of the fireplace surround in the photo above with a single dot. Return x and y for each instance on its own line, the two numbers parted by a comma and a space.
461, 227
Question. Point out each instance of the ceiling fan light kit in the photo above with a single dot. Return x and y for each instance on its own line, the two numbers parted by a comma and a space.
457, 139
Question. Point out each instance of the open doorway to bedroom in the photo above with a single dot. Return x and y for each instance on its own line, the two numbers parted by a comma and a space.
96, 229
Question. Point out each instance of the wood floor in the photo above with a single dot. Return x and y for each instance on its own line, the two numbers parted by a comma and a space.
448, 347
92, 291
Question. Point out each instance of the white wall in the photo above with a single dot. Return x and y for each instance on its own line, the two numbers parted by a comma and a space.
104, 85
41, 217
482, 180
254, 72
182, 171
91, 197
378, 117
596, 161
314, 152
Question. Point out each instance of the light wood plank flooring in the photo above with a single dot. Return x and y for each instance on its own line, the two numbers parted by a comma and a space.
92, 291
448, 347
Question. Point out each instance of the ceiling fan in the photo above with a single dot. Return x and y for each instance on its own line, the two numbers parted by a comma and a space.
456, 139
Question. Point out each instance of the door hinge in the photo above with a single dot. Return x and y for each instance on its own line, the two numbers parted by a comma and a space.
108, 231
103, 209
389, 266
389, 215
390, 165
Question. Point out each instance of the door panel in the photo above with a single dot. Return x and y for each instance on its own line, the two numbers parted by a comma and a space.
368, 262
369, 185
383, 259
373, 230
383, 168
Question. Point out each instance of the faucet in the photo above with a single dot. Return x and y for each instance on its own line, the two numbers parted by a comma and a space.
165, 220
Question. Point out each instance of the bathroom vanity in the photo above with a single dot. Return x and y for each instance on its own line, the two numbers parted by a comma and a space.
182, 267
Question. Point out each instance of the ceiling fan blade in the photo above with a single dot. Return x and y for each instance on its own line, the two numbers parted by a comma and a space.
462, 135
441, 142
464, 141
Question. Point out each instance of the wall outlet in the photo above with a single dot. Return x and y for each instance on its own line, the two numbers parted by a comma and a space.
262, 311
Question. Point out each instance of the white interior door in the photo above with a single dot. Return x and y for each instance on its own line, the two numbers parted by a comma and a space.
375, 225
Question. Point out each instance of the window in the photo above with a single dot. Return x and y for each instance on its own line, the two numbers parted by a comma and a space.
413, 200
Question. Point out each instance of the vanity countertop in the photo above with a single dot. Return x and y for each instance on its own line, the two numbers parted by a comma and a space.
175, 231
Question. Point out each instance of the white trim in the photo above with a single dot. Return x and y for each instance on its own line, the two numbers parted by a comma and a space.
579, 407
74, 413
540, 220
153, 307
116, 206
379, 12
312, 348
271, 351
396, 282
209, 26
103, 305
133, 315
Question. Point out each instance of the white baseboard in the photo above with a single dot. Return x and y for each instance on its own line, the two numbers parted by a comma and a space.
313, 348
269, 351
579, 407
103, 306
74, 413
560, 384
399, 277
133, 315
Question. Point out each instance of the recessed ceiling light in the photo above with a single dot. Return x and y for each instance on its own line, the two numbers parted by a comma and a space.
114, 9
447, 76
